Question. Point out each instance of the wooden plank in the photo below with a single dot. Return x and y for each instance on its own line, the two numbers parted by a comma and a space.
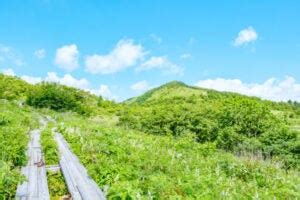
80, 185
36, 186
53, 168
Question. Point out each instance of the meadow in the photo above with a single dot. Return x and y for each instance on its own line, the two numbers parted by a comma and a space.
173, 142
128, 164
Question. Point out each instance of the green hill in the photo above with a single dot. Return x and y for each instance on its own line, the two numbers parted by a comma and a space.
235, 122
173, 142
170, 90
177, 89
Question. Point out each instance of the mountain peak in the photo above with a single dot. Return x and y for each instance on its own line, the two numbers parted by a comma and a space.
174, 83
168, 90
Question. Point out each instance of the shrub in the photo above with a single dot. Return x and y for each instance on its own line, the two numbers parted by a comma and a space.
57, 97
129, 164
13, 88
9, 179
228, 139
236, 123
249, 117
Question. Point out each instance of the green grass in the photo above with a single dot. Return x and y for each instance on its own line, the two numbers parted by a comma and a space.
57, 185
49, 146
130, 164
295, 123
56, 182
168, 91
15, 123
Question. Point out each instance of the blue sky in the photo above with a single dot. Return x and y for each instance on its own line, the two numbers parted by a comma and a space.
121, 48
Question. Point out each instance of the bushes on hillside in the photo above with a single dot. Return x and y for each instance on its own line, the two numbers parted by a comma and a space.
247, 125
228, 139
175, 117
57, 97
235, 123
249, 118
13, 88
131, 165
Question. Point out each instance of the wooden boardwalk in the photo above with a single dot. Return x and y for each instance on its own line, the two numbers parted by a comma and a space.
36, 186
80, 185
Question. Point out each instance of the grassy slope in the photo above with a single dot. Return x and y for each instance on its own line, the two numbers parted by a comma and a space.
15, 122
167, 91
129, 163
175, 89
133, 163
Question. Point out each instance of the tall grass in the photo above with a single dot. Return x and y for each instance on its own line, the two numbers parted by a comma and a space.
130, 164
15, 123
56, 181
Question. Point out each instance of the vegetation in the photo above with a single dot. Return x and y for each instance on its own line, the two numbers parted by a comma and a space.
62, 98
15, 123
59, 98
49, 146
57, 185
236, 123
173, 142
132, 165
13, 88
56, 181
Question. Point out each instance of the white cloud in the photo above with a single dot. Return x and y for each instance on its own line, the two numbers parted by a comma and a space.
271, 89
82, 83
31, 79
104, 91
8, 72
245, 36
9, 55
156, 38
185, 56
40, 53
140, 86
67, 57
124, 55
161, 63
68, 80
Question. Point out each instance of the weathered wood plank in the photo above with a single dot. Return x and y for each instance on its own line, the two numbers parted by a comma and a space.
80, 185
53, 168
36, 186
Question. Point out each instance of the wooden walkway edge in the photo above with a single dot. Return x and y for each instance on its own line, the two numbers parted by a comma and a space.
79, 184
36, 186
